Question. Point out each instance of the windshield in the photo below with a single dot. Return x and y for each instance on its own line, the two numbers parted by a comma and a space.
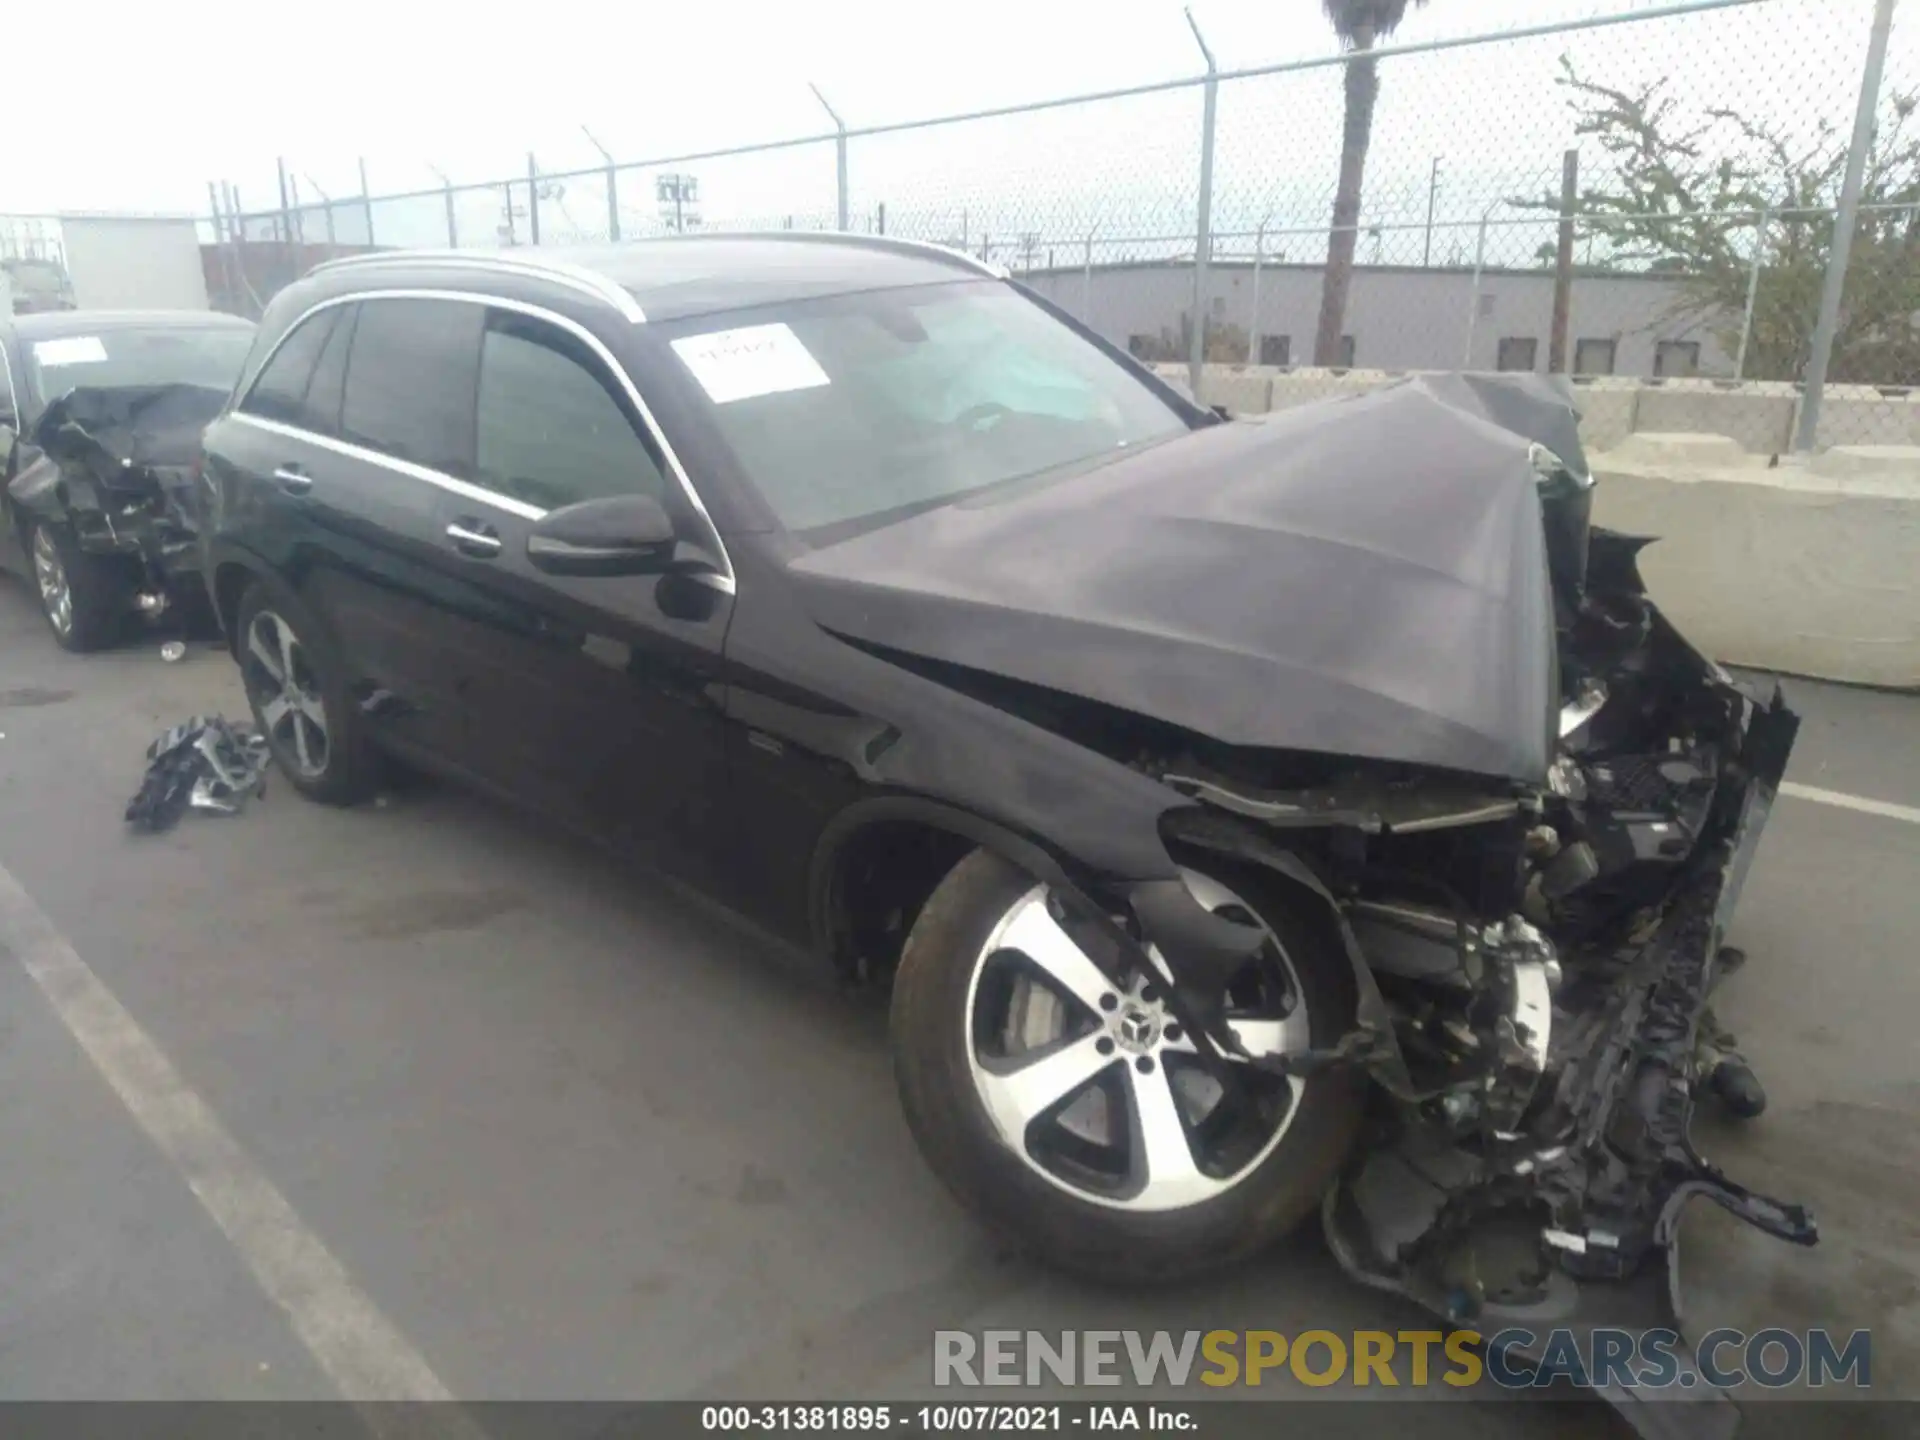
855, 406
184, 355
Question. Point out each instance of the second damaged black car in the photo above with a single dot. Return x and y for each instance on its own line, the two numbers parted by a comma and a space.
100, 420
1255, 821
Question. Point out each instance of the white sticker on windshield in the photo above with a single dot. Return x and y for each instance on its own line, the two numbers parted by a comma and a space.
70, 350
759, 360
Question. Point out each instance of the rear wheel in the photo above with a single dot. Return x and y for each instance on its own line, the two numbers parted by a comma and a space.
296, 688
1073, 1111
84, 597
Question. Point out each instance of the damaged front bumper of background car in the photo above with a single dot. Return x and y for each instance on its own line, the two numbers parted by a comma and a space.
115, 466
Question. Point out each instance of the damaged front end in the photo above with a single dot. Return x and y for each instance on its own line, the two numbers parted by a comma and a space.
116, 465
1535, 967
1377, 647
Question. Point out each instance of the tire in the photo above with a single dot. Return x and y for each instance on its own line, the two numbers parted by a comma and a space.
85, 599
943, 976
336, 766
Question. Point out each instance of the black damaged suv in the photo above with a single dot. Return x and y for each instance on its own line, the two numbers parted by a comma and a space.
1192, 781
100, 420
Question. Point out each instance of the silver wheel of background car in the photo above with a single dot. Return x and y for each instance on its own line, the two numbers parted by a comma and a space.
1095, 1085
286, 693
50, 574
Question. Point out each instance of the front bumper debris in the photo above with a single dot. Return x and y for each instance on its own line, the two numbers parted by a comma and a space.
1571, 1221
204, 764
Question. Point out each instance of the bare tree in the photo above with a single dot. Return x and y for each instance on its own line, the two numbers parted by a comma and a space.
1360, 24
1680, 193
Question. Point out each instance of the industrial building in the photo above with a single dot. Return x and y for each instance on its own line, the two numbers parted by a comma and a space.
1400, 317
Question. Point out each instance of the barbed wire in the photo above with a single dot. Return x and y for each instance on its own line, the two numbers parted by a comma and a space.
1646, 193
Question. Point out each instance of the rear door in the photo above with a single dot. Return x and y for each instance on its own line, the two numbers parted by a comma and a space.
357, 425
595, 699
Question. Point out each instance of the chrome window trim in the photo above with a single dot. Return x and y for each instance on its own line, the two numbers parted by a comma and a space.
452, 483
576, 277
722, 581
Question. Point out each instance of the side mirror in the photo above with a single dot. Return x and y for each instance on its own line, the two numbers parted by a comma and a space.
620, 535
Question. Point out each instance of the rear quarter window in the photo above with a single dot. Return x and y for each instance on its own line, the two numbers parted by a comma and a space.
281, 391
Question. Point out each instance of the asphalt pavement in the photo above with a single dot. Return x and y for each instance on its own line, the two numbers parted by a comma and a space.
567, 1132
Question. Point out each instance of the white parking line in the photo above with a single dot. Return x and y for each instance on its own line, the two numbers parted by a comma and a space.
365, 1357
1883, 808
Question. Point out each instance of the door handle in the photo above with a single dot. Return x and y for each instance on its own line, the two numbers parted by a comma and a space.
475, 538
293, 479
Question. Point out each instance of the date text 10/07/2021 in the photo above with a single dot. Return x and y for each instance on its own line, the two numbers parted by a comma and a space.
947, 1419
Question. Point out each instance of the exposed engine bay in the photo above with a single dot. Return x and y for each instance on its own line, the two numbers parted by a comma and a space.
1448, 709
1535, 968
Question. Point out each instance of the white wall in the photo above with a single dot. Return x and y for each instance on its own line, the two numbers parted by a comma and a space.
1807, 568
128, 264
1401, 318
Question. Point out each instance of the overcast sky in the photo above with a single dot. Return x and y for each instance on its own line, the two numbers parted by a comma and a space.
192, 90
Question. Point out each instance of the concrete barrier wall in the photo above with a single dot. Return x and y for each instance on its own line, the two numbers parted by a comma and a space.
1811, 567
1760, 415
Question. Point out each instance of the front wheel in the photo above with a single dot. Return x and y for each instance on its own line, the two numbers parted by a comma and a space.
297, 691
1072, 1111
84, 597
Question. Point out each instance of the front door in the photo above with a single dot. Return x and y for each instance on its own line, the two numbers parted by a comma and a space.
597, 700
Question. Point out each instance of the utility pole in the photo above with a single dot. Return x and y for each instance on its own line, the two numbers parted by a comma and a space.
225, 244
1563, 265
1203, 230
839, 159
284, 226
533, 198
509, 213
677, 190
1253, 312
613, 186
1433, 191
326, 206
446, 186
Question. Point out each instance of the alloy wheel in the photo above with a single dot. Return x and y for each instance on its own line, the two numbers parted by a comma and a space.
50, 574
1095, 1085
286, 694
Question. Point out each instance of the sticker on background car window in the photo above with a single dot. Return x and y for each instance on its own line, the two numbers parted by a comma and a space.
70, 350
756, 360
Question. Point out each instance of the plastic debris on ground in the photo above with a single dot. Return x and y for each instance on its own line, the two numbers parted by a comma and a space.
173, 652
206, 764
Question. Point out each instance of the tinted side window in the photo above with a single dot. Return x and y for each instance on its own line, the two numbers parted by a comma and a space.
322, 409
552, 430
281, 391
410, 380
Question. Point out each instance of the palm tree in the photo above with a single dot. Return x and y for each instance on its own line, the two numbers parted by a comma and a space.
1359, 24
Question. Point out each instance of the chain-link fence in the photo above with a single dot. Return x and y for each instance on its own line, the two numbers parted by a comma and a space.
1648, 200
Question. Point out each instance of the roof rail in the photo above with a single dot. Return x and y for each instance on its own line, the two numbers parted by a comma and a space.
895, 243
577, 277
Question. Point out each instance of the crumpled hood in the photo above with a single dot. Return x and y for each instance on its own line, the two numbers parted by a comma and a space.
1363, 577
105, 428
